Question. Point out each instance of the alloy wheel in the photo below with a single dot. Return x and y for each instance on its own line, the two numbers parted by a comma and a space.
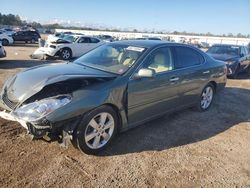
207, 97
65, 54
99, 130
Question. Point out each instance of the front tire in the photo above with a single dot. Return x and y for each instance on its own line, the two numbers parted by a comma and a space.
206, 98
96, 130
66, 54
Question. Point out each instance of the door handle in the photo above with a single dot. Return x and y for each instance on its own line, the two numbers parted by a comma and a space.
206, 72
174, 79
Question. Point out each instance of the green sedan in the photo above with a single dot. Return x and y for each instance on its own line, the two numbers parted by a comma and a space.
110, 89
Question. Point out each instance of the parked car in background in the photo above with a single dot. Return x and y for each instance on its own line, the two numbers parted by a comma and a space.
6, 39
106, 38
110, 89
8, 31
204, 45
70, 46
148, 38
61, 35
2, 51
236, 57
26, 36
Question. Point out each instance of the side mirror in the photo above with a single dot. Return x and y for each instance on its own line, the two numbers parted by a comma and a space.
145, 73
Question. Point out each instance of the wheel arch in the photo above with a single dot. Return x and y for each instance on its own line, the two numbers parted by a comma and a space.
214, 84
117, 111
68, 48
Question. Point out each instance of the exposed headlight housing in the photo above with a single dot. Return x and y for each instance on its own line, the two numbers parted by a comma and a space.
39, 109
229, 62
52, 46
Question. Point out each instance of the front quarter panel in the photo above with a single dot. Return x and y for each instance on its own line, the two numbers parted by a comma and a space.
86, 100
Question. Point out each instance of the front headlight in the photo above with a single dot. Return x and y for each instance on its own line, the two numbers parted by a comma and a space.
229, 62
39, 109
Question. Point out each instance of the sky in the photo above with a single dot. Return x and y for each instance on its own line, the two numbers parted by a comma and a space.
199, 16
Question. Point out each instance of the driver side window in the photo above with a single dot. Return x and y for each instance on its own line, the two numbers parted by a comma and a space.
84, 40
161, 60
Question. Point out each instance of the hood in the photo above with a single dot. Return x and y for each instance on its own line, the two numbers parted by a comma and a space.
29, 82
223, 57
60, 41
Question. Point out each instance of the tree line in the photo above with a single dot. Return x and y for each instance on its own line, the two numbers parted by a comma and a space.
15, 20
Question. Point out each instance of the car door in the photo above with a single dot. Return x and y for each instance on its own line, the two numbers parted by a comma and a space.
193, 73
83, 46
19, 36
150, 97
27, 36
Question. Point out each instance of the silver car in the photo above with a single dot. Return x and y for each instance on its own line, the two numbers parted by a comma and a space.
2, 51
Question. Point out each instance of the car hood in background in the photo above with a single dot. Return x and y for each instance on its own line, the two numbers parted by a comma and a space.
27, 83
223, 57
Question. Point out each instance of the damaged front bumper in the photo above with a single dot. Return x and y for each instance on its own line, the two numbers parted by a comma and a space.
60, 131
38, 130
43, 52
5, 115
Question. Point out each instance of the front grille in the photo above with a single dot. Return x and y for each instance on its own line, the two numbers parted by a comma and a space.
7, 101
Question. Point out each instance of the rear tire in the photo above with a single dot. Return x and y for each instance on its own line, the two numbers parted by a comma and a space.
206, 98
96, 130
5, 42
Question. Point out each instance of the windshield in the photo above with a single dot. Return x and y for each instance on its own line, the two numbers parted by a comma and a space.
69, 38
230, 50
114, 58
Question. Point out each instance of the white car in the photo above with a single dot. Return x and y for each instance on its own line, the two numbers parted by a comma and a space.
6, 39
67, 48
2, 51
9, 32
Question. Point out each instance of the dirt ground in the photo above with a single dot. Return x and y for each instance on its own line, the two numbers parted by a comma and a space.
185, 149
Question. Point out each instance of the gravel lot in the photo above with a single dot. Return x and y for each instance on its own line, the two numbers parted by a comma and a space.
185, 149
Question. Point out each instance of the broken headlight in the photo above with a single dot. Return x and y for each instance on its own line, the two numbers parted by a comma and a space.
39, 109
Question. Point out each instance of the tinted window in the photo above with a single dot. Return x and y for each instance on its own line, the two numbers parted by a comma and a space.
161, 60
94, 40
242, 51
187, 57
246, 50
224, 49
84, 40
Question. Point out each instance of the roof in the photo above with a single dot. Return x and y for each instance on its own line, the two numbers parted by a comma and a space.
227, 45
143, 43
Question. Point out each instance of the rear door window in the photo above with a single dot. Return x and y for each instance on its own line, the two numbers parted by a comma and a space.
187, 57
